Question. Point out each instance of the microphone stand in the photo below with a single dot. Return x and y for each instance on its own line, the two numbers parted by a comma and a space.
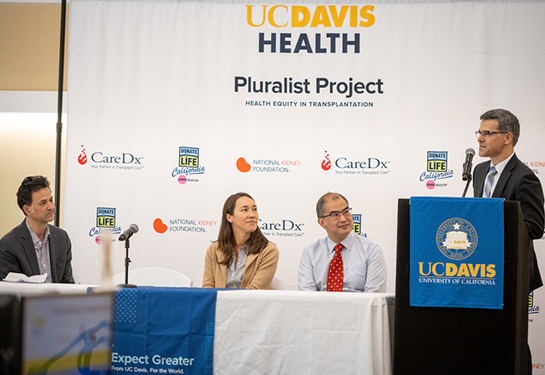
467, 184
127, 261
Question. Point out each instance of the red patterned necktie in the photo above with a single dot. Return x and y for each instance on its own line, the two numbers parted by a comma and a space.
336, 272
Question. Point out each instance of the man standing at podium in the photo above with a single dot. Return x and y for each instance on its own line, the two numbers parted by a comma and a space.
34, 247
505, 176
342, 261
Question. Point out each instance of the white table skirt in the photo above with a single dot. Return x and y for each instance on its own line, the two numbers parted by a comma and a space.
294, 332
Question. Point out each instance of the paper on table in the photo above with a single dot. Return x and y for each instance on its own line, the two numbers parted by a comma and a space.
15, 277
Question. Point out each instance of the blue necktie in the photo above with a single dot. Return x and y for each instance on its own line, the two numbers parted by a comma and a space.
489, 182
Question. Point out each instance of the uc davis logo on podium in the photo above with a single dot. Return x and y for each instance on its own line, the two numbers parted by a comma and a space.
456, 238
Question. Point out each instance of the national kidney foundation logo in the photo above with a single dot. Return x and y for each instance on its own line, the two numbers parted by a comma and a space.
243, 166
185, 224
260, 165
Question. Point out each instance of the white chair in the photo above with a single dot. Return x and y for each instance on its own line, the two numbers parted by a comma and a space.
154, 276
278, 284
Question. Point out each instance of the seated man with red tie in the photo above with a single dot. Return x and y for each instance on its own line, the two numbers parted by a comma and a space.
342, 261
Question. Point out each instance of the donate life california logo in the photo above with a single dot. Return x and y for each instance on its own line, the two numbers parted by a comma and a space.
188, 165
436, 169
356, 227
105, 222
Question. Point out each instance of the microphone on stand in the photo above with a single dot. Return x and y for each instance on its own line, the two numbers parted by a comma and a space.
132, 229
466, 173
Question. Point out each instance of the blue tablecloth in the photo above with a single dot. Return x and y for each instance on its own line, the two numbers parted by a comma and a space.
164, 330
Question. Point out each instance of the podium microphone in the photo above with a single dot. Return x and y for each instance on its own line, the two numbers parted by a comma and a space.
132, 229
466, 173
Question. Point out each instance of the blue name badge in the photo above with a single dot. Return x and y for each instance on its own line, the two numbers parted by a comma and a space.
457, 252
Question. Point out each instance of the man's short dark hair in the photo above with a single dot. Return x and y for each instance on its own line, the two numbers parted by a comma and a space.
508, 122
320, 205
30, 185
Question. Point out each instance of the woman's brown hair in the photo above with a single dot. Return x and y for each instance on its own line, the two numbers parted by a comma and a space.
226, 239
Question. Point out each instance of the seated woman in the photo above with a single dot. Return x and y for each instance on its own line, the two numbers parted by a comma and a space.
241, 257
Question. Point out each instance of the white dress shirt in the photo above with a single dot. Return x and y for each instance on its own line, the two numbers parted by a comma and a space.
363, 262
42, 252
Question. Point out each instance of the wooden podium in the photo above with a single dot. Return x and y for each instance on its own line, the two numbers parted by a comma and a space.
463, 341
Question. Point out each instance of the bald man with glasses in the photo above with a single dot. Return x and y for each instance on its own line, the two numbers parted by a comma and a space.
343, 260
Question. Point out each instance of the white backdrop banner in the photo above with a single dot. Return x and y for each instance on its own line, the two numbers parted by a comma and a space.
175, 105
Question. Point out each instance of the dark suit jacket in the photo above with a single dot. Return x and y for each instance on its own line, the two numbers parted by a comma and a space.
518, 183
17, 254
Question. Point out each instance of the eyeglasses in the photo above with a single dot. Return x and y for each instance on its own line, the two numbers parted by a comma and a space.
336, 215
486, 133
